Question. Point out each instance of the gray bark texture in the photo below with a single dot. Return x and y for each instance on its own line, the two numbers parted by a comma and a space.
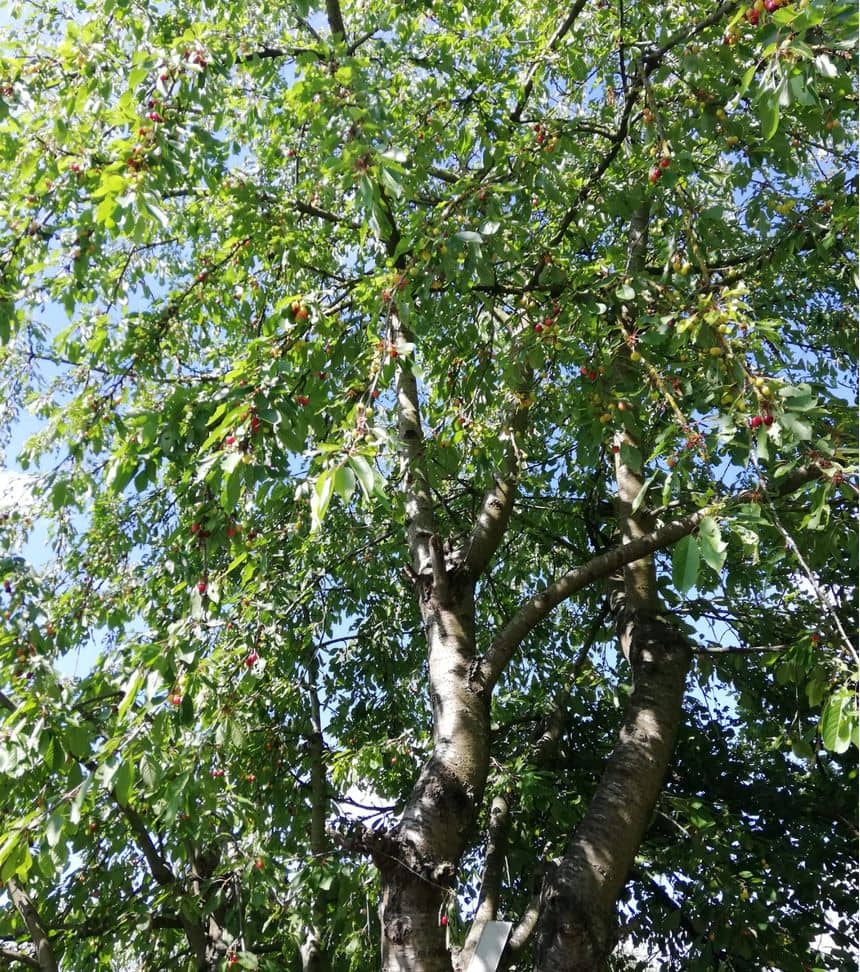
47, 961
576, 928
440, 813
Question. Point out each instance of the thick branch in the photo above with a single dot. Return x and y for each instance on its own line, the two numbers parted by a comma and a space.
521, 934
46, 960
491, 879
159, 867
12, 955
420, 516
272, 53
324, 214
640, 576
536, 608
319, 796
335, 19
532, 611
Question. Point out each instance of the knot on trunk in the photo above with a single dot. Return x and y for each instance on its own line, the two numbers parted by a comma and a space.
397, 929
652, 641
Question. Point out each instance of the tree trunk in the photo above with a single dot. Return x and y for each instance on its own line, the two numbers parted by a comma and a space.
431, 836
576, 932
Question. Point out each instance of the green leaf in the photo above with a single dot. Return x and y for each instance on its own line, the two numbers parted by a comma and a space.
232, 488
839, 721
798, 428
344, 483
364, 472
120, 474
122, 782
711, 545
13, 856
685, 564
320, 498
639, 499
54, 828
76, 740
133, 686
768, 113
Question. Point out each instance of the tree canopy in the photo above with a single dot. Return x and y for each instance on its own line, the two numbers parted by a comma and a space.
445, 419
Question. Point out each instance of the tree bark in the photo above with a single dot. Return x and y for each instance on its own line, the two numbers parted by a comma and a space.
576, 928
421, 855
47, 961
433, 831
313, 953
491, 879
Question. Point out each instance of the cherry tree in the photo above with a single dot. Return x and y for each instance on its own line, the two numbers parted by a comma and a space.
444, 418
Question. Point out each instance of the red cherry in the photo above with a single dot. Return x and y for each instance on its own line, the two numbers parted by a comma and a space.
664, 163
302, 400
231, 532
756, 421
250, 661
654, 175
375, 393
538, 328
201, 586
771, 5
443, 920
250, 777
259, 864
768, 420
176, 699
753, 16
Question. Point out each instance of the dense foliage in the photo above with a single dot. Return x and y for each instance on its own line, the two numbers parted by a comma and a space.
612, 235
